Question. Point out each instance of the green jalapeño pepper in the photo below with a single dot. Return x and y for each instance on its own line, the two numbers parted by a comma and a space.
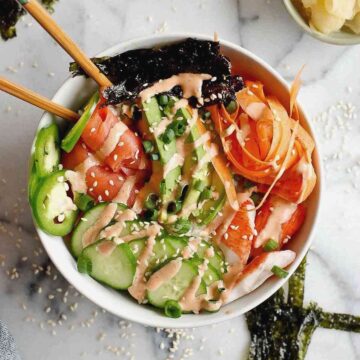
47, 151
53, 209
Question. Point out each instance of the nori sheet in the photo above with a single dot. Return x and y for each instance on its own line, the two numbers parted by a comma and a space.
135, 70
11, 12
281, 329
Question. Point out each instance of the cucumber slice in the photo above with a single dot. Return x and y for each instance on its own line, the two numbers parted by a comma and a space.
217, 261
116, 269
162, 252
47, 151
174, 288
178, 243
91, 217
211, 274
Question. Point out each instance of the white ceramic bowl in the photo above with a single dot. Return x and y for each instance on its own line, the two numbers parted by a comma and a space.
73, 94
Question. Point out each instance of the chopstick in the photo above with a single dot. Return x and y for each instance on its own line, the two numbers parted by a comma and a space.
63, 39
37, 100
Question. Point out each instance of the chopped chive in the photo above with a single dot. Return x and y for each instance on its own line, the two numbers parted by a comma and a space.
179, 127
231, 106
162, 187
256, 198
154, 156
151, 201
150, 214
279, 272
168, 136
172, 309
148, 146
205, 194
174, 207
163, 100
270, 245
199, 185
206, 115
247, 184
181, 226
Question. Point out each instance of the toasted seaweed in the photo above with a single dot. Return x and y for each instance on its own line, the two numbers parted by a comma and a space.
134, 70
281, 328
10, 12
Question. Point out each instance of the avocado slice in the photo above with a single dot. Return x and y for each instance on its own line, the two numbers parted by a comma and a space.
199, 179
211, 207
154, 116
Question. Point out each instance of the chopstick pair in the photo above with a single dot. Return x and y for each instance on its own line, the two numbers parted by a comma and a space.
59, 35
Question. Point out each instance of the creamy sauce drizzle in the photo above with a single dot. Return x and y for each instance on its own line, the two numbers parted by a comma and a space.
90, 235
124, 193
106, 247
150, 187
138, 288
112, 140
191, 248
165, 274
281, 213
175, 161
161, 126
190, 83
116, 229
77, 177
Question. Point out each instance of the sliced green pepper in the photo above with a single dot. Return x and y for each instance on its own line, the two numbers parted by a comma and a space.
69, 141
33, 180
47, 152
83, 201
53, 209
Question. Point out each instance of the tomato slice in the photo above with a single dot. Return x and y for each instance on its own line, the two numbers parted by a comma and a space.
98, 127
128, 153
76, 156
103, 184
241, 232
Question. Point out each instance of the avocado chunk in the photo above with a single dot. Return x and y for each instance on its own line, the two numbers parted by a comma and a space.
154, 116
211, 207
198, 175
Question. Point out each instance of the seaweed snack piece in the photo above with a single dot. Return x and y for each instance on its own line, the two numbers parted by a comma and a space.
136, 70
281, 329
10, 13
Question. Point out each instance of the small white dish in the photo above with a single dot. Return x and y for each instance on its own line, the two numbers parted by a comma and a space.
74, 93
341, 37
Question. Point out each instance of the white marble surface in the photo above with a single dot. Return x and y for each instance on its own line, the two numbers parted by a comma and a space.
331, 75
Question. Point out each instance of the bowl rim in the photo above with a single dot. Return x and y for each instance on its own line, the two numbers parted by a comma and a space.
192, 319
352, 39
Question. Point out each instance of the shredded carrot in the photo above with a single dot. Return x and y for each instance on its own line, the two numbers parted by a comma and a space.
266, 144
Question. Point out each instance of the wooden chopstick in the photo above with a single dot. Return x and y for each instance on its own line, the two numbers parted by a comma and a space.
37, 100
63, 39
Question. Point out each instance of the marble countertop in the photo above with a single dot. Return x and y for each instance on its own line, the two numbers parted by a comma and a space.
47, 317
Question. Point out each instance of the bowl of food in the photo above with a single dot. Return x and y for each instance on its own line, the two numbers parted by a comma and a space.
187, 193
332, 21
